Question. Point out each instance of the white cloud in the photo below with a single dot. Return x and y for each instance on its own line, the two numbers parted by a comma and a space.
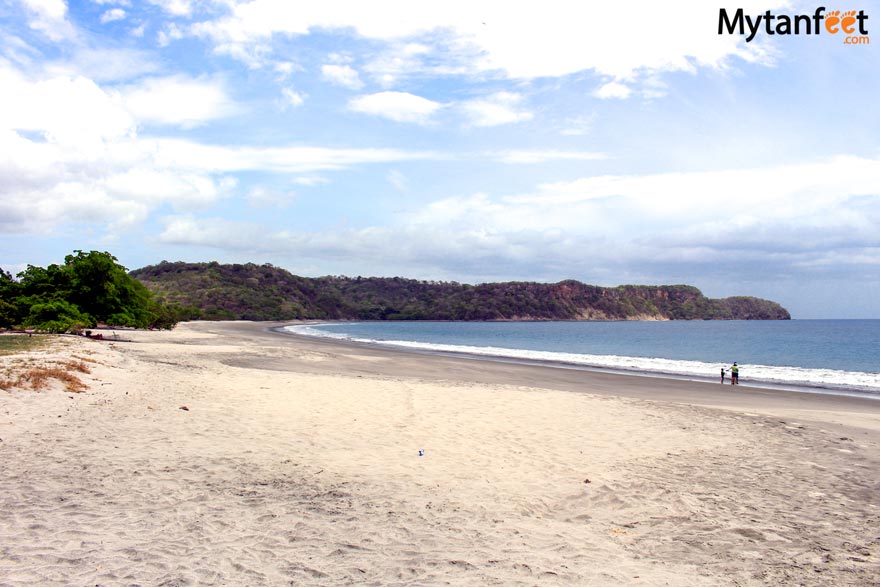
526, 157
184, 190
174, 7
16, 50
496, 109
45, 183
402, 59
397, 106
578, 126
186, 229
292, 97
613, 90
262, 197
70, 153
285, 68
91, 169
68, 110
50, 18
112, 15
116, 180
342, 75
750, 222
104, 65
178, 100
398, 180
521, 41
687, 209
224, 159
171, 33
310, 180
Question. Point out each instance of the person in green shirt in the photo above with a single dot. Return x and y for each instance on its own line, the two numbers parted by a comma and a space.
734, 374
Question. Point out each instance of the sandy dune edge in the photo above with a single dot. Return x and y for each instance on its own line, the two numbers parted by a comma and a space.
298, 464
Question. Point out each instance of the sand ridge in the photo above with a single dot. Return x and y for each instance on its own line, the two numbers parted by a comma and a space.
298, 464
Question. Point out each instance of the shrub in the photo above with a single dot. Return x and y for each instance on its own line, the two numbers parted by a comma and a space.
57, 316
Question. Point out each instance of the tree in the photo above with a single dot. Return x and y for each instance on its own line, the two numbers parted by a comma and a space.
89, 288
101, 287
10, 290
57, 316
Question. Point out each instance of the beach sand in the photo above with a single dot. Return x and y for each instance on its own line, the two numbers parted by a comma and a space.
310, 462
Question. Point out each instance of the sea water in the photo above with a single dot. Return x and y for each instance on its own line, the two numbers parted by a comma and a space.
834, 355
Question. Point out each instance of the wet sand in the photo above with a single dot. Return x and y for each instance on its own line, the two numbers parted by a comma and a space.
311, 462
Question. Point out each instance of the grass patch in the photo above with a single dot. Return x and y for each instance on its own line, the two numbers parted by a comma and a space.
76, 366
86, 359
20, 368
38, 378
11, 344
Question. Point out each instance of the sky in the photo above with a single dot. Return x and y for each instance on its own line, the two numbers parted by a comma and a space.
612, 143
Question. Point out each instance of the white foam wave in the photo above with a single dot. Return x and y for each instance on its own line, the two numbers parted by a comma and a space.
786, 376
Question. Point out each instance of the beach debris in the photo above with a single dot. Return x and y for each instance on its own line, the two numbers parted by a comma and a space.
587, 481
421, 453
184, 408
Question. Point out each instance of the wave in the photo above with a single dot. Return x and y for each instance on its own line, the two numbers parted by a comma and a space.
799, 377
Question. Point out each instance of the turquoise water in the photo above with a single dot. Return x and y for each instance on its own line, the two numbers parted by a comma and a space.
833, 354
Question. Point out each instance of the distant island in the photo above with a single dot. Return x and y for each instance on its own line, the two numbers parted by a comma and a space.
212, 291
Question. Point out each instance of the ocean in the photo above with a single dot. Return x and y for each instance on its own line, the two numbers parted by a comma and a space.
841, 356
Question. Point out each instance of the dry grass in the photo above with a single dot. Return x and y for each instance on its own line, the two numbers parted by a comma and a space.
38, 378
86, 359
33, 373
77, 366
35, 362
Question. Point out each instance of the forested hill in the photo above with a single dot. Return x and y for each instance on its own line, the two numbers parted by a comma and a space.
263, 292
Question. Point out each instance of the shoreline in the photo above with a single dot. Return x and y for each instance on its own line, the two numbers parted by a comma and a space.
228, 454
829, 408
520, 355
636, 372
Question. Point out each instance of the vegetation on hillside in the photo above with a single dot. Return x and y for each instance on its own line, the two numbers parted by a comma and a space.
87, 289
263, 292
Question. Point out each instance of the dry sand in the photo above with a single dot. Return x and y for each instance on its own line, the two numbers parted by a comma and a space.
298, 462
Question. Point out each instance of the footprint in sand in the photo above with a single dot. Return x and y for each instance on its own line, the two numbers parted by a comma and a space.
847, 22
832, 19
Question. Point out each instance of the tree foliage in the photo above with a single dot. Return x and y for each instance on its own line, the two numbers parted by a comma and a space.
87, 289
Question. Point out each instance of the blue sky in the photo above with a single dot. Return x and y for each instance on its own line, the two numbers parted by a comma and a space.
458, 141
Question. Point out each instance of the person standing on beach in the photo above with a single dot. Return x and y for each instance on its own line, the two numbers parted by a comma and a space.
734, 374
722, 375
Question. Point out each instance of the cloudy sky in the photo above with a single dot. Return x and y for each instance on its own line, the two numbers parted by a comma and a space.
612, 143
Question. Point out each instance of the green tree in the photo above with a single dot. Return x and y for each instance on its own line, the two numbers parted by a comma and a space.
89, 288
101, 287
10, 291
57, 316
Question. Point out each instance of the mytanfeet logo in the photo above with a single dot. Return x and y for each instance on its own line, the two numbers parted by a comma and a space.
849, 23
